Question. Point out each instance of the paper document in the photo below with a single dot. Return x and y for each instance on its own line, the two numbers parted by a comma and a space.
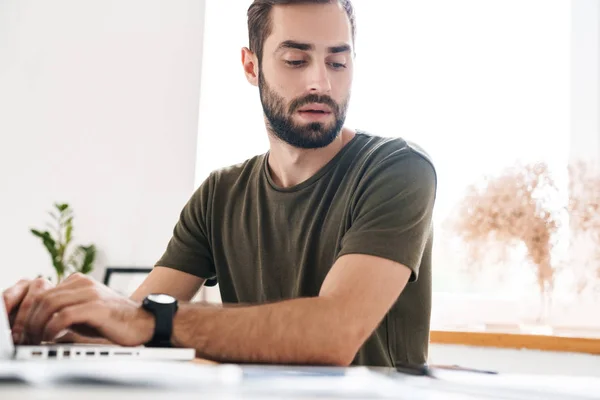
170, 375
511, 386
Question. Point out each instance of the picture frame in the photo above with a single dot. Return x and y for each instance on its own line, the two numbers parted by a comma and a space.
125, 280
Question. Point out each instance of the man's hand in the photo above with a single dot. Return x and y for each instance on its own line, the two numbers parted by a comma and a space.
18, 300
90, 309
71, 337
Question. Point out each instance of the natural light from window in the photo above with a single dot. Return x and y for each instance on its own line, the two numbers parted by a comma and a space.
480, 85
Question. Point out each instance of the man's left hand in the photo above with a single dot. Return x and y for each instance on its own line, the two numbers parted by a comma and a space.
89, 308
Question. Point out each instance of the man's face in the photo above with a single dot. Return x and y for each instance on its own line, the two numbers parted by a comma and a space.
306, 73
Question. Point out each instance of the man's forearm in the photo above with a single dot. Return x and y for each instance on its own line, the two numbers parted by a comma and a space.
300, 331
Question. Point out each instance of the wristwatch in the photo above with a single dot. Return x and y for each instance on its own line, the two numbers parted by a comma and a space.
163, 307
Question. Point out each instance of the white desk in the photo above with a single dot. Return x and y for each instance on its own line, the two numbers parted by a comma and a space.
353, 383
102, 393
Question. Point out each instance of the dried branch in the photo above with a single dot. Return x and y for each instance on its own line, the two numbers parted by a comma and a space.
584, 214
513, 206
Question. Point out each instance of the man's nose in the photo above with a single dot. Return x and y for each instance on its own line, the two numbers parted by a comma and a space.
319, 82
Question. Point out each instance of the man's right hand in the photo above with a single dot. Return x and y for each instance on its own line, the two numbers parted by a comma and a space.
18, 300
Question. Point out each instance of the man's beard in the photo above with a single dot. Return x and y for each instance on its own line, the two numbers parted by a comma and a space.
313, 135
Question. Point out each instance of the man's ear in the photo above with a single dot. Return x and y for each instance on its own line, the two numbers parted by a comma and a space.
250, 64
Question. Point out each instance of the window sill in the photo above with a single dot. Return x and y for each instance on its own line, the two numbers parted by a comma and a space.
517, 341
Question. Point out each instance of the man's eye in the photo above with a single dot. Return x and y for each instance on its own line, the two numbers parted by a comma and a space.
294, 63
337, 65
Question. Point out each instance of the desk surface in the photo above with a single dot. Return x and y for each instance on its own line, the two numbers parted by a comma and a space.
271, 382
11, 392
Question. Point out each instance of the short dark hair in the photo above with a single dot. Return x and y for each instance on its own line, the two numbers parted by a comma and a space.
259, 20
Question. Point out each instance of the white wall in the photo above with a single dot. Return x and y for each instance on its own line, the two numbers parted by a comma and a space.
98, 108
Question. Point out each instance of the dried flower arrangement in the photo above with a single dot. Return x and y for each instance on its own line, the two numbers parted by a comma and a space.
512, 207
584, 217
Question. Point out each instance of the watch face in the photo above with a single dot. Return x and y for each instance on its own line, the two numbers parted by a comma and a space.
161, 298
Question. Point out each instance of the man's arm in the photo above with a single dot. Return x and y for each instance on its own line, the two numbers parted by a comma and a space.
328, 329
181, 285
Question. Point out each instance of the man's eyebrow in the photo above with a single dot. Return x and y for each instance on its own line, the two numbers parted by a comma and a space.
339, 49
292, 44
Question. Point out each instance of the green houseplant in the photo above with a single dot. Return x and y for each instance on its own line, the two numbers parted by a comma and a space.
58, 240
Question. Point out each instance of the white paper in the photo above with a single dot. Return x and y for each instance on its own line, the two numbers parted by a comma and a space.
179, 375
512, 386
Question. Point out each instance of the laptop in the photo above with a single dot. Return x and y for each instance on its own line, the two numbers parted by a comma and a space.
66, 352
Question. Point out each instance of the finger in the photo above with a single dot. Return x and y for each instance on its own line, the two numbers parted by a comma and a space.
93, 314
13, 296
51, 302
11, 318
35, 289
72, 282
65, 336
77, 280
70, 336
47, 304
86, 331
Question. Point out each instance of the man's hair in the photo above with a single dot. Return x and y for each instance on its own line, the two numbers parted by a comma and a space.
259, 20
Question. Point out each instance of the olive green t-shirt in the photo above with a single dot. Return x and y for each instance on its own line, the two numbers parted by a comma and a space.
266, 243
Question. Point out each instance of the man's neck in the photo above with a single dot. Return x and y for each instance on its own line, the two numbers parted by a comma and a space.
290, 166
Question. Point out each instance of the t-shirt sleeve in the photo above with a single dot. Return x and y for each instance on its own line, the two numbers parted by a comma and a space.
189, 249
392, 211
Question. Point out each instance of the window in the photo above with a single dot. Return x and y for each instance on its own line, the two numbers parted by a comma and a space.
486, 88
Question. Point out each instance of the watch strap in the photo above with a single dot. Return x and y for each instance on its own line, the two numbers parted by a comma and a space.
163, 327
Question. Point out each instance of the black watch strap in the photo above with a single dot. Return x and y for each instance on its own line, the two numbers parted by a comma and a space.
163, 315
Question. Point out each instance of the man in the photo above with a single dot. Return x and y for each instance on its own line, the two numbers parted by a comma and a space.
324, 243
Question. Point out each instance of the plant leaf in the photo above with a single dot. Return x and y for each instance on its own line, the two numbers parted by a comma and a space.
61, 251
49, 244
51, 247
82, 258
68, 234
66, 218
61, 206
59, 267
47, 240
37, 233
88, 259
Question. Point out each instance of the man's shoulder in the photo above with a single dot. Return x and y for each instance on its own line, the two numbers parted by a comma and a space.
394, 165
380, 148
236, 173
